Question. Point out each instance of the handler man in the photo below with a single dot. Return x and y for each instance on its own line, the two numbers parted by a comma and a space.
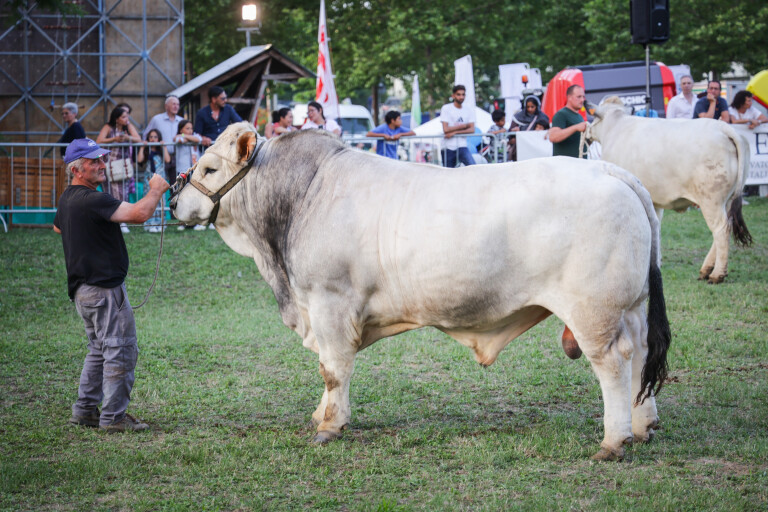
567, 124
97, 263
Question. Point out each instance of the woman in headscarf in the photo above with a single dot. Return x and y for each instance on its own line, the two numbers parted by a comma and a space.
525, 120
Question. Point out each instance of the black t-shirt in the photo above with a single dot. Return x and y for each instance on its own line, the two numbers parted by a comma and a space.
94, 249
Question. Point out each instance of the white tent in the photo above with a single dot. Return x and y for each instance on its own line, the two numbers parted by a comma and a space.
434, 127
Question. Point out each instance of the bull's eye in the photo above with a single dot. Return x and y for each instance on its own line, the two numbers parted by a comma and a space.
208, 170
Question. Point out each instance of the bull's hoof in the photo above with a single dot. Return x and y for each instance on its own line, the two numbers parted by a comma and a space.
612, 454
716, 279
570, 345
646, 437
705, 272
313, 423
609, 455
326, 436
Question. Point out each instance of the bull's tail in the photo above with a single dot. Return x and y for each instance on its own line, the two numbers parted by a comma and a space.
659, 335
741, 234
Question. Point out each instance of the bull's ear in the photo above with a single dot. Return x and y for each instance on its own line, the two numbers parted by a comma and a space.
246, 145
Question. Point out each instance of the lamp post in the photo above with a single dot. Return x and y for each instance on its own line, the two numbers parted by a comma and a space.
251, 22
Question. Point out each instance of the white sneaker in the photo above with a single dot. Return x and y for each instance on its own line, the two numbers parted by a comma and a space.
199, 227
211, 226
124, 228
154, 229
181, 227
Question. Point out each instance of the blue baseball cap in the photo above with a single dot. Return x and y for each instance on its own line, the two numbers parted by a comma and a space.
83, 148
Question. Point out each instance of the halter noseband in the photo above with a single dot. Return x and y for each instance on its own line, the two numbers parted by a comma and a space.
184, 178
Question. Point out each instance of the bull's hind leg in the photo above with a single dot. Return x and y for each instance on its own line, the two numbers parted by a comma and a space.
644, 416
611, 355
715, 265
336, 341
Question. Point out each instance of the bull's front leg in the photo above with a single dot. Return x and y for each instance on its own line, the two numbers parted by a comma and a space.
336, 340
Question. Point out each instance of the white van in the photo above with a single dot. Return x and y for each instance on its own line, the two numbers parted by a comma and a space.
355, 120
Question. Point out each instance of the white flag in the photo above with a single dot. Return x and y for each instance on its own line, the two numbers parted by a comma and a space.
326, 91
415, 104
465, 77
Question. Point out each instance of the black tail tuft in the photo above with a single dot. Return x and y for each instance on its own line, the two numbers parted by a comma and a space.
741, 234
659, 337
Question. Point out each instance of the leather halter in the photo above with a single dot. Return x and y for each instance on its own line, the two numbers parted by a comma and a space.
186, 178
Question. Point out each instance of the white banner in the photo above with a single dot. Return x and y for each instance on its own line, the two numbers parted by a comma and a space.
415, 104
758, 153
511, 78
326, 90
533, 144
465, 77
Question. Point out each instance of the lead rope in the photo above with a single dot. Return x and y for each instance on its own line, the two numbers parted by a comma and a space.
583, 145
159, 254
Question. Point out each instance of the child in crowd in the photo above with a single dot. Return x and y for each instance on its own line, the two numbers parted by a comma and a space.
153, 159
186, 152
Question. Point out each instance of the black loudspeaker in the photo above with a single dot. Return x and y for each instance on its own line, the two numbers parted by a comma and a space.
649, 21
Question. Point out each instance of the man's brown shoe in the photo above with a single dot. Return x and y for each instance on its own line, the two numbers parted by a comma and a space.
90, 420
128, 423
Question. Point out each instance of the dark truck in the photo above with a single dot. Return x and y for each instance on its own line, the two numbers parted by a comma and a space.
623, 79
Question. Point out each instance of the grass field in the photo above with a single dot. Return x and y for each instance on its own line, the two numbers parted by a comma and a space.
229, 391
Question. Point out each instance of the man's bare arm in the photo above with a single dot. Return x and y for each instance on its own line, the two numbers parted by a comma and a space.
142, 210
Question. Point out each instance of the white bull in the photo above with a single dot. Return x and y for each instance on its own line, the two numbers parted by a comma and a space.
357, 247
682, 162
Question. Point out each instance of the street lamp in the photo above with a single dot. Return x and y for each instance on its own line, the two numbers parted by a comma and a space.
251, 22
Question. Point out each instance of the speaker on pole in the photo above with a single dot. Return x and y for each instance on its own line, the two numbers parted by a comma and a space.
649, 21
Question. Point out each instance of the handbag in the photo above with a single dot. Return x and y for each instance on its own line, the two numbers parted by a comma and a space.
120, 170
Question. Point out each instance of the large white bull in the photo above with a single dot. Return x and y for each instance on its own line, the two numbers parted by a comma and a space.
357, 247
682, 162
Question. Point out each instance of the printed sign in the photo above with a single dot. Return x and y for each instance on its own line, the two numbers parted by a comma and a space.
758, 153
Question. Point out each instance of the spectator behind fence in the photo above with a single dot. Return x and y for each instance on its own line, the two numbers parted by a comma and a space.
567, 124
186, 155
457, 120
167, 123
316, 119
390, 131
120, 164
154, 160
214, 118
525, 120
743, 112
681, 106
499, 119
282, 122
74, 130
711, 105
131, 127
96, 261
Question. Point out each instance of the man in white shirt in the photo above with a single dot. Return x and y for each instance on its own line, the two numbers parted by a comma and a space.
457, 120
167, 124
681, 106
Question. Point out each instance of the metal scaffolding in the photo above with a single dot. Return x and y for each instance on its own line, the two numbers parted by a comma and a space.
118, 51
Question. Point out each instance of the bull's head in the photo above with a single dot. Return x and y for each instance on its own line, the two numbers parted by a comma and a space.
220, 168
609, 107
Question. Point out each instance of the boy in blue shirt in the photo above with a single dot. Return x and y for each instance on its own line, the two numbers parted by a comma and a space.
390, 131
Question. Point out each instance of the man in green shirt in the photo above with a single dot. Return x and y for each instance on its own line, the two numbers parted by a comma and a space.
567, 124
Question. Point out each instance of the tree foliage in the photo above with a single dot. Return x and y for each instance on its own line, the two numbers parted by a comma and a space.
376, 40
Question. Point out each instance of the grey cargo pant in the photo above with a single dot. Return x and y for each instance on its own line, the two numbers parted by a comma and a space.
112, 352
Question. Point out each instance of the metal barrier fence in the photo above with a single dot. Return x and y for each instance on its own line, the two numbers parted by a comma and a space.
430, 148
33, 175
